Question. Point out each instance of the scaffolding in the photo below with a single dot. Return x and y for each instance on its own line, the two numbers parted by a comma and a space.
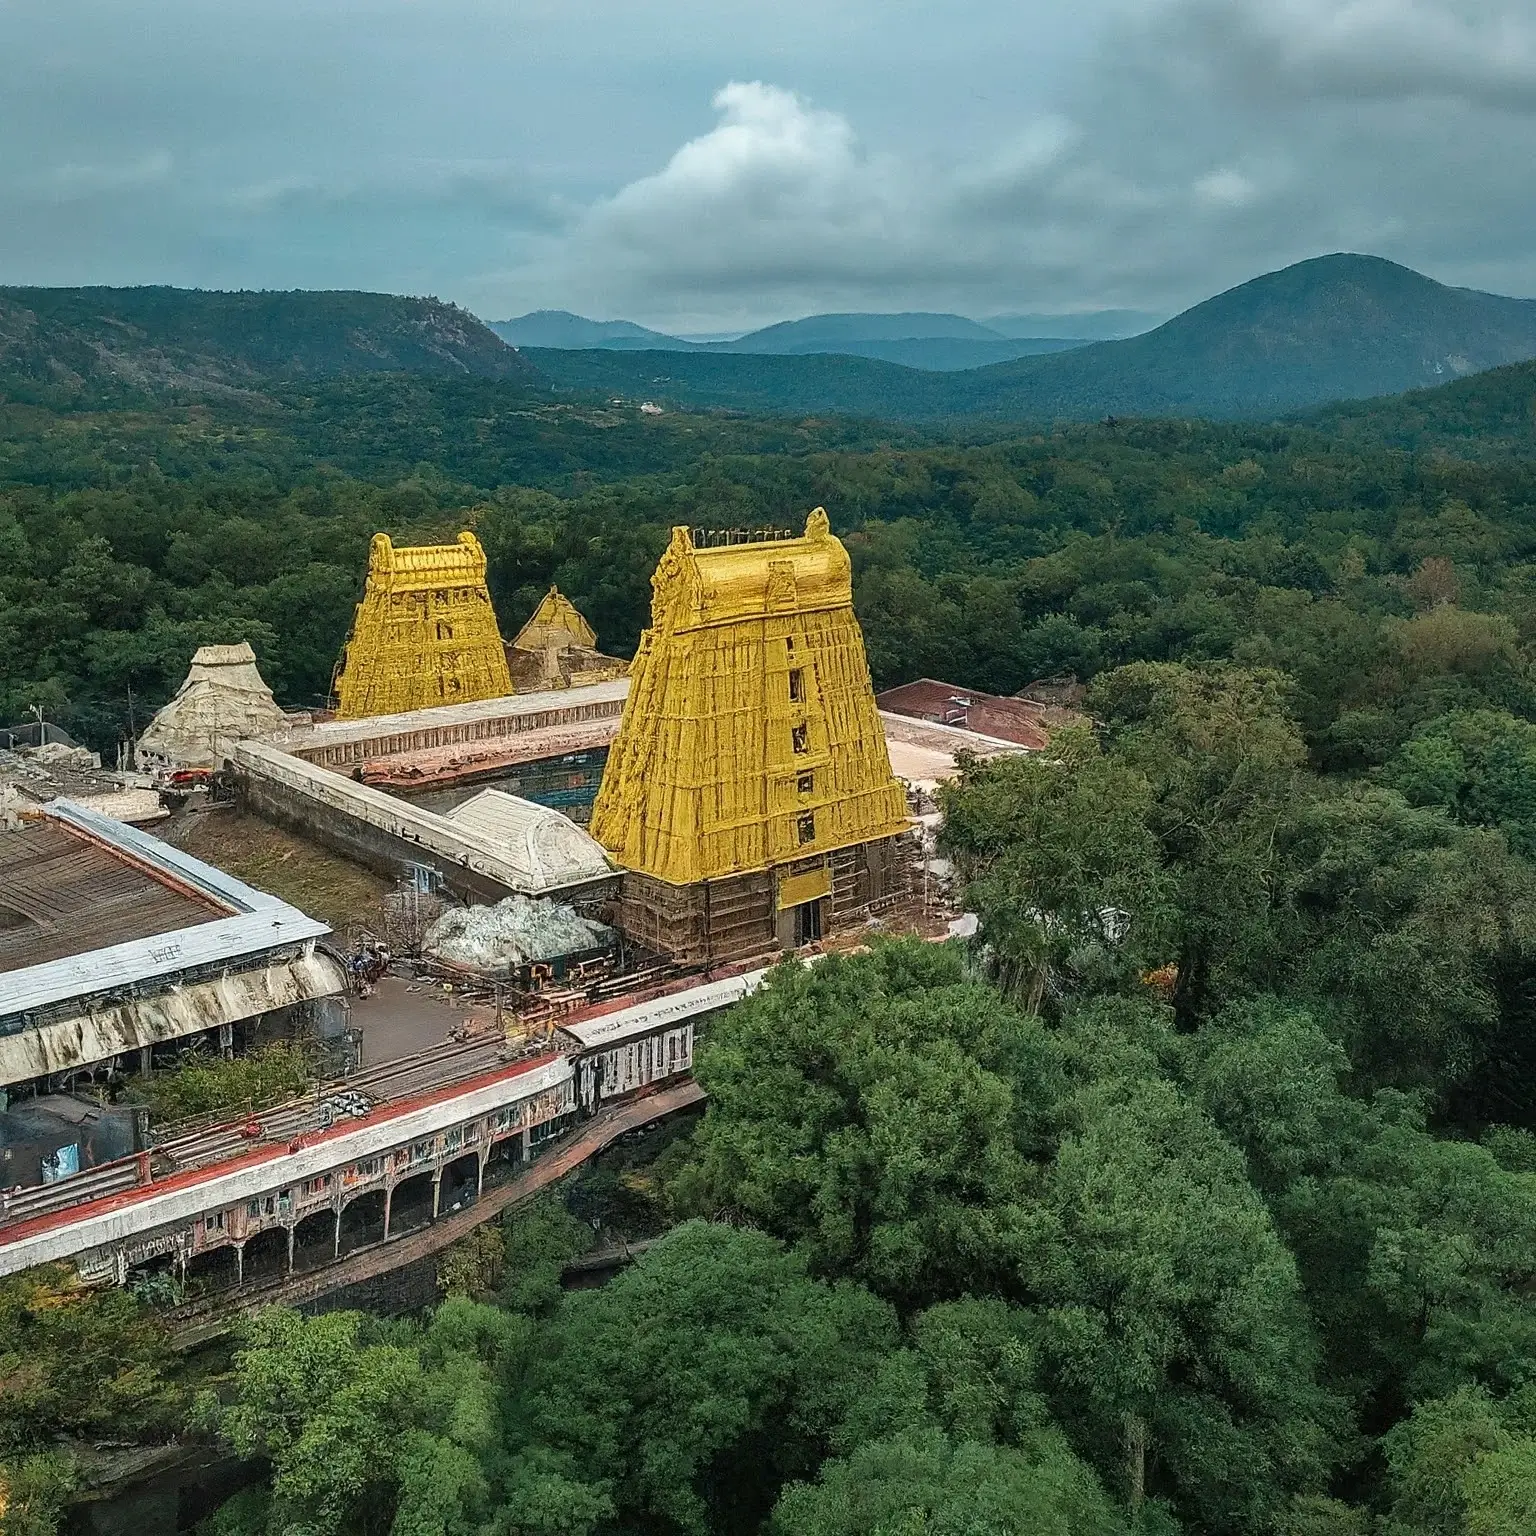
424, 634
750, 739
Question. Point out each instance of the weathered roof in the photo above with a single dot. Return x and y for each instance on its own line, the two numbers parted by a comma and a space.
549, 849
191, 915
465, 722
464, 846
614, 1028
61, 894
107, 1027
968, 709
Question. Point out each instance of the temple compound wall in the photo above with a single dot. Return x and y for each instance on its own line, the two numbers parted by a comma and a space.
748, 795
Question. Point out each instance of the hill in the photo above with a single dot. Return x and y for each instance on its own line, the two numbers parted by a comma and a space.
1085, 325
1490, 415
830, 333
61, 343
813, 383
1336, 327
932, 341
560, 328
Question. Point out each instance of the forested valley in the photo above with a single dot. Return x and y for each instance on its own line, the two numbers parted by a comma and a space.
1198, 1195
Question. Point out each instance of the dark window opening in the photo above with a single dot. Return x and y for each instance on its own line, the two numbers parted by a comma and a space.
807, 825
799, 738
796, 685
806, 783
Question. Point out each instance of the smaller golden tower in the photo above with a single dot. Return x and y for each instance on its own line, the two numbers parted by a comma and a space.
424, 634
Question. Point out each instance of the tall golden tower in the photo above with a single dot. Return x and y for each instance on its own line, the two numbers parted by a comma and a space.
424, 634
749, 793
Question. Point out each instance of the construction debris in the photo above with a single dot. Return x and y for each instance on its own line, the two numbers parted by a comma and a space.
516, 932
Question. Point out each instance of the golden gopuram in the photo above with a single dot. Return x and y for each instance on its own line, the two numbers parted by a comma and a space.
424, 634
749, 796
557, 648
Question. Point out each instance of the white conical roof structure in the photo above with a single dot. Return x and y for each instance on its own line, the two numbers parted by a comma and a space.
223, 700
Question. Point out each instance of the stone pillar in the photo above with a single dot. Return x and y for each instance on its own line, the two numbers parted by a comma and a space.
290, 1248
336, 1240
239, 1265
527, 1144
480, 1162
227, 1041
437, 1191
389, 1194
146, 1060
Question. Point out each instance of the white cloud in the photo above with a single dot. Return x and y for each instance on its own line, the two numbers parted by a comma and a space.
1395, 126
997, 156
1226, 188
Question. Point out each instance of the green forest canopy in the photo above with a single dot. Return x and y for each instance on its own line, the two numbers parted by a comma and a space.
1200, 1197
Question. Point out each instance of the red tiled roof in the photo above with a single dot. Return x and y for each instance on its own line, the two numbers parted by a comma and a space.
1016, 720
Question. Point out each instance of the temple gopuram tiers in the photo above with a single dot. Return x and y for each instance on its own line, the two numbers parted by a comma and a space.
749, 796
424, 634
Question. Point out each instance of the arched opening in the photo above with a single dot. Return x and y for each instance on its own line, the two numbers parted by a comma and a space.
505, 1159
216, 1269
156, 1281
266, 1256
461, 1184
314, 1240
411, 1204
362, 1221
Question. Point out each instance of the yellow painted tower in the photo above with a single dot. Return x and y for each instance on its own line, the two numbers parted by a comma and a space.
750, 740
424, 634
555, 624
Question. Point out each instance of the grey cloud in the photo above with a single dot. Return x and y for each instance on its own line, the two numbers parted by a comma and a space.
1479, 51
995, 156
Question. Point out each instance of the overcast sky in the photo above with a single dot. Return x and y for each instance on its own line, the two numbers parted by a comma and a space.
708, 164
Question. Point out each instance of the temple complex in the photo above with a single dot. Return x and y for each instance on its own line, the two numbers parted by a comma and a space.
424, 634
748, 795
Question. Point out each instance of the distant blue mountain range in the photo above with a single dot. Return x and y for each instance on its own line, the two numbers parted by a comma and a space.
918, 340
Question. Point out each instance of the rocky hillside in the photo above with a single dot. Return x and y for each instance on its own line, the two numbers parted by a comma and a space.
57, 344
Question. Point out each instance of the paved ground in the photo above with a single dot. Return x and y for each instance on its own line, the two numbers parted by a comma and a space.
403, 1017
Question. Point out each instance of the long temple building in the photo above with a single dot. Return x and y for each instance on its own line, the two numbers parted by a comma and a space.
749, 796
424, 634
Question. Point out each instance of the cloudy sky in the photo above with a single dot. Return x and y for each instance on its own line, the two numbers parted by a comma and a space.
710, 164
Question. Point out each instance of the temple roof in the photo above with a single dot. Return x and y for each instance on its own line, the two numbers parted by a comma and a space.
556, 621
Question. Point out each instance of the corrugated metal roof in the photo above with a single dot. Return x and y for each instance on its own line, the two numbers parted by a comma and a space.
259, 923
625, 1023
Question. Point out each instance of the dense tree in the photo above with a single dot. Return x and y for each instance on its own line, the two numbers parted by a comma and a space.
880, 1113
